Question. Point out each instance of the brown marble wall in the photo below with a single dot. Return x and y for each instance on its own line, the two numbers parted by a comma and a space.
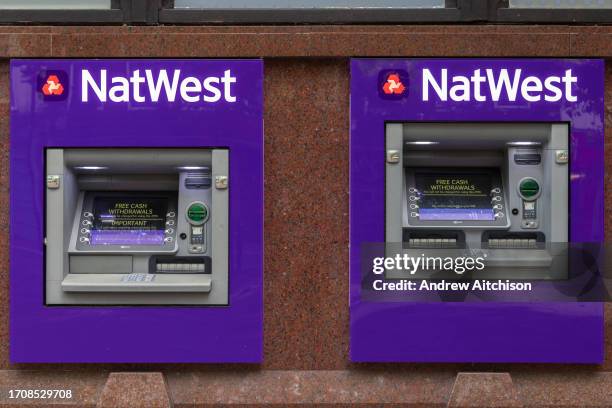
306, 323
306, 140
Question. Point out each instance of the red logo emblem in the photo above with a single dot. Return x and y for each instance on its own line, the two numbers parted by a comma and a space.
393, 86
53, 86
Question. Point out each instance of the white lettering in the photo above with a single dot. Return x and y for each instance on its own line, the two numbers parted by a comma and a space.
162, 80
121, 91
549, 84
460, 91
498, 85
191, 85
228, 80
136, 80
441, 90
503, 82
212, 89
157, 84
100, 91
477, 79
568, 80
527, 87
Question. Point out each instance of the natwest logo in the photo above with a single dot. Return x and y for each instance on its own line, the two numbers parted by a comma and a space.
495, 85
52, 86
151, 86
393, 85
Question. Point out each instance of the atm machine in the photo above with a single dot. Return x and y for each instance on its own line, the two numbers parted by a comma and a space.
498, 190
127, 226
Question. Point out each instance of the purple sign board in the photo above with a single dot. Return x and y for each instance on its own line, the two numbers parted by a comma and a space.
474, 90
136, 103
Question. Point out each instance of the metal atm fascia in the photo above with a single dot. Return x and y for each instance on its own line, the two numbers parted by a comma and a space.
131, 274
452, 146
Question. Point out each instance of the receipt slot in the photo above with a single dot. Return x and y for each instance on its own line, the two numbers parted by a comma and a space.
136, 226
495, 189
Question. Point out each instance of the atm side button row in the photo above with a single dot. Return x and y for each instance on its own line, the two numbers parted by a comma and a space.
513, 243
433, 242
163, 267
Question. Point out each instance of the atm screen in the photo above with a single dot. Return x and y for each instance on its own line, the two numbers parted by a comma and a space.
455, 196
129, 220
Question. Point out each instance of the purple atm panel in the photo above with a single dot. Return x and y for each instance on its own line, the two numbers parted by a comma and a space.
567, 96
79, 106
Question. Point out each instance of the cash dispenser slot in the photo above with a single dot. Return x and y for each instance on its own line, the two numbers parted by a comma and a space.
503, 239
101, 264
167, 264
434, 238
